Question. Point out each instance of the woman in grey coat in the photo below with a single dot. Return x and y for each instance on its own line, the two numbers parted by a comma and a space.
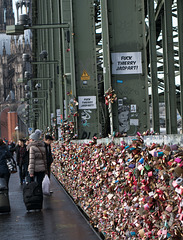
37, 157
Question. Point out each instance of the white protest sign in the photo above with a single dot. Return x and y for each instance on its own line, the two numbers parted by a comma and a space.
126, 63
87, 102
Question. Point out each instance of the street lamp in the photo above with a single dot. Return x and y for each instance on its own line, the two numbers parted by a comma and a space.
43, 55
25, 23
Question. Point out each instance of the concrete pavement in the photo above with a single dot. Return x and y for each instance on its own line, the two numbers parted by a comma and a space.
60, 219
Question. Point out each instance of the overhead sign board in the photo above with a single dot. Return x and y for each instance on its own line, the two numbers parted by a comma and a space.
126, 63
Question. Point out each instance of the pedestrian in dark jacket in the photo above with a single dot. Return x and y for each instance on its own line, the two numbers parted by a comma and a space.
4, 154
49, 159
11, 146
22, 158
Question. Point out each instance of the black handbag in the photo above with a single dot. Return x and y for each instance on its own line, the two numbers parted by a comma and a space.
12, 167
3, 184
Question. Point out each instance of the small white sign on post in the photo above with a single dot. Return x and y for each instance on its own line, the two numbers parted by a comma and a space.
58, 116
52, 115
30, 130
58, 112
126, 63
134, 122
87, 102
58, 120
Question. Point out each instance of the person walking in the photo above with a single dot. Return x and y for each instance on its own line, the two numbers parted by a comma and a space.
49, 159
37, 157
11, 146
4, 154
22, 158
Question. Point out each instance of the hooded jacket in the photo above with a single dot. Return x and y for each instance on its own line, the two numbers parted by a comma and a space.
37, 157
4, 154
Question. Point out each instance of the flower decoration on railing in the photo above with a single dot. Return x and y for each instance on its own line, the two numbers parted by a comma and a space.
110, 96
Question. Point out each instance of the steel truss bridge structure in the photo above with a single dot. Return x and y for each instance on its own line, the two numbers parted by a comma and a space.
131, 48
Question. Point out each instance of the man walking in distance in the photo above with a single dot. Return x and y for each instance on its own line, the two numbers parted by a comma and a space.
22, 158
47, 141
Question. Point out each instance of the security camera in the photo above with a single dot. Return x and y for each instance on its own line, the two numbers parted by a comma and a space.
27, 75
27, 95
26, 57
26, 107
38, 85
43, 55
27, 88
35, 100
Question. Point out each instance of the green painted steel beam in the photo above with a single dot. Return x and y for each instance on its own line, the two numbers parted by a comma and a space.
51, 44
41, 78
159, 9
167, 110
170, 74
60, 59
72, 62
43, 62
49, 26
24, 80
40, 90
84, 40
19, 29
127, 51
65, 14
153, 66
106, 56
180, 34
106, 46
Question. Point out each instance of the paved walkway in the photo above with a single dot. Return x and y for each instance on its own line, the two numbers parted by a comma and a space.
60, 219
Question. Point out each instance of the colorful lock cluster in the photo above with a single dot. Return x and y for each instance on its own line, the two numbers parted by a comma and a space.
110, 96
128, 191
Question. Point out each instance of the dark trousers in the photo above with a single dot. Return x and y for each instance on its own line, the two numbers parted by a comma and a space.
38, 177
49, 169
23, 171
6, 176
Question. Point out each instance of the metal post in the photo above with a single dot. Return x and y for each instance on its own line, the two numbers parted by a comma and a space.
46, 69
53, 68
170, 67
72, 63
106, 46
50, 26
66, 55
60, 82
180, 34
167, 120
65, 92
42, 36
153, 64
106, 56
